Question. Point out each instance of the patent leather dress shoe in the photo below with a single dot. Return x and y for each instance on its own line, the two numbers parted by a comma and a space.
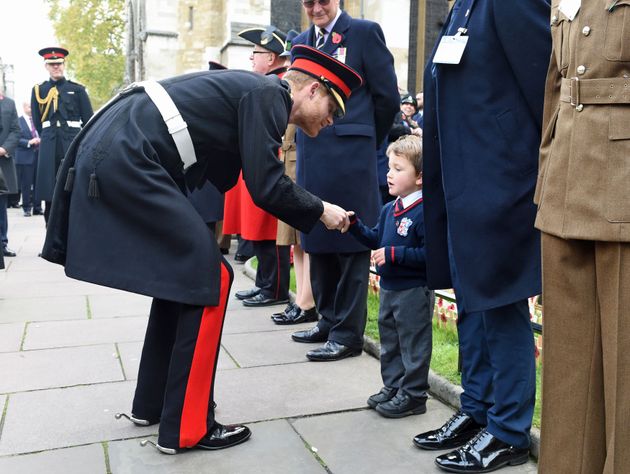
402, 405
301, 316
240, 258
219, 437
310, 335
8, 253
385, 395
291, 307
262, 300
457, 431
246, 294
483, 453
332, 351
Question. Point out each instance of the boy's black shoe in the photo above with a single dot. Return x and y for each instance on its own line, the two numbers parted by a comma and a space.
291, 307
402, 405
298, 317
240, 258
385, 395
245, 294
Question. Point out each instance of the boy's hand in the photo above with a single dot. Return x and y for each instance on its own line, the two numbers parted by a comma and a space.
334, 217
379, 256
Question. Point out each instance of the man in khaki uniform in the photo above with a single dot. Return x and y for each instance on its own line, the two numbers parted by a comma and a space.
583, 194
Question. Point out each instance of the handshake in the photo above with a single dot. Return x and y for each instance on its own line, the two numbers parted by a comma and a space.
335, 217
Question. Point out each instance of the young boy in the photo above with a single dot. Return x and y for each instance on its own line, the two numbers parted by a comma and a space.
406, 304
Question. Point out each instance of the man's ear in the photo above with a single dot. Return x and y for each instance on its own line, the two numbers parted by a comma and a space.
313, 89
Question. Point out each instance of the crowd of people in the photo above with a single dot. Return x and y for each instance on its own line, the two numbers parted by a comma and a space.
441, 189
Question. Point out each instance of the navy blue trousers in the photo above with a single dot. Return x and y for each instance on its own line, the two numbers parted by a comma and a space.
498, 366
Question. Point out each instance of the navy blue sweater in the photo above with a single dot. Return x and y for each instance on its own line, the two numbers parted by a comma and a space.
402, 235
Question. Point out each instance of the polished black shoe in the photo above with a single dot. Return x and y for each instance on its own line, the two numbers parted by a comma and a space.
310, 335
483, 453
332, 351
27, 213
219, 437
245, 294
38, 212
262, 300
8, 253
386, 394
240, 258
224, 251
291, 307
302, 316
402, 405
457, 431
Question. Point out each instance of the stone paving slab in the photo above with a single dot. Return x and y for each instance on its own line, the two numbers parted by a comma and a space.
119, 303
42, 309
130, 357
37, 370
79, 460
265, 348
363, 441
32, 277
84, 332
274, 448
59, 418
67, 287
11, 336
266, 393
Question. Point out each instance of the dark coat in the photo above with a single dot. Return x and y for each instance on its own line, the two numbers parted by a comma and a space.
482, 126
25, 154
340, 164
9, 136
142, 234
208, 202
74, 106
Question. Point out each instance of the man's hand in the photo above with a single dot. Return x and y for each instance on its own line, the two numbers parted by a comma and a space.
34, 141
378, 256
2, 151
334, 217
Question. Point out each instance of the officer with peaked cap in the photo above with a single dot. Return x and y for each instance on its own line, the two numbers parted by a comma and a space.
120, 217
60, 108
242, 216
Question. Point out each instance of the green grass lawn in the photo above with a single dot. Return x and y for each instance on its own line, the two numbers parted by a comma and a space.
445, 347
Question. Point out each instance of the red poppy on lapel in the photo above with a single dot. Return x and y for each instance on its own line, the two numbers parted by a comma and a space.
336, 38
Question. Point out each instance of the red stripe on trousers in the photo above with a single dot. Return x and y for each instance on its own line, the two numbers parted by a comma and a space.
193, 425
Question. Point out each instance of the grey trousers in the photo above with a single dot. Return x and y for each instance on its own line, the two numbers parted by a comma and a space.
404, 324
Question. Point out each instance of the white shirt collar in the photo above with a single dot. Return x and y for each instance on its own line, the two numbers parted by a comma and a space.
329, 27
411, 198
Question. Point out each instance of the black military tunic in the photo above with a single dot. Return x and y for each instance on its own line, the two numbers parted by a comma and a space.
141, 234
58, 117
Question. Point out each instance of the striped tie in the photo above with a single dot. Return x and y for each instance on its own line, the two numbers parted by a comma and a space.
398, 206
321, 34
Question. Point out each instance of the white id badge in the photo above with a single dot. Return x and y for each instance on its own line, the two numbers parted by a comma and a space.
570, 8
450, 50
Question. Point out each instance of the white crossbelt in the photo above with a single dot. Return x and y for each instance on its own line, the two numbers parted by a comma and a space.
177, 127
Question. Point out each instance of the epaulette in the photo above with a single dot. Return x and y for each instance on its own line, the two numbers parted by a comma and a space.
75, 83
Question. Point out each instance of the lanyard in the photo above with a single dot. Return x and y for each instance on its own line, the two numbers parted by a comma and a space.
462, 30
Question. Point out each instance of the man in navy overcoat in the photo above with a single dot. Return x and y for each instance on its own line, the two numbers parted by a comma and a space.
26, 158
482, 125
340, 165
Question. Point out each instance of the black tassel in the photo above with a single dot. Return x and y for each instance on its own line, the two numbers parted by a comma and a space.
69, 180
93, 191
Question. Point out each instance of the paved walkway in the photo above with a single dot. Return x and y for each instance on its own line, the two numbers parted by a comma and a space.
69, 355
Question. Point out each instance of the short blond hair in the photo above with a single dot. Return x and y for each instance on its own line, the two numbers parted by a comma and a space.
409, 147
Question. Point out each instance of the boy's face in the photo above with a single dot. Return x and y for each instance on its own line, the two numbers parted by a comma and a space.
402, 179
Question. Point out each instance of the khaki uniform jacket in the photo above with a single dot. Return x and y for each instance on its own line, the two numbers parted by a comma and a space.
287, 235
583, 188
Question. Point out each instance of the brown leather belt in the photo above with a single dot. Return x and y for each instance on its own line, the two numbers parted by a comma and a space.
576, 91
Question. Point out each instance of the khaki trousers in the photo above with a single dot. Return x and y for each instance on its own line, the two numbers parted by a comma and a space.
586, 351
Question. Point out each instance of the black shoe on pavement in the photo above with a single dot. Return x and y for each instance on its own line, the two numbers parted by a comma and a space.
332, 351
386, 394
402, 405
219, 437
262, 300
310, 335
27, 213
240, 258
483, 453
224, 251
291, 307
457, 431
302, 316
245, 294
8, 253
38, 212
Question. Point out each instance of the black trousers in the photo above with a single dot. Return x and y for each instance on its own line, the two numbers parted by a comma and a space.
26, 179
178, 367
274, 267
340, 284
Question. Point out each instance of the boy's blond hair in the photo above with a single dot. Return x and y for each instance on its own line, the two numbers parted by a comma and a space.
410, 147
